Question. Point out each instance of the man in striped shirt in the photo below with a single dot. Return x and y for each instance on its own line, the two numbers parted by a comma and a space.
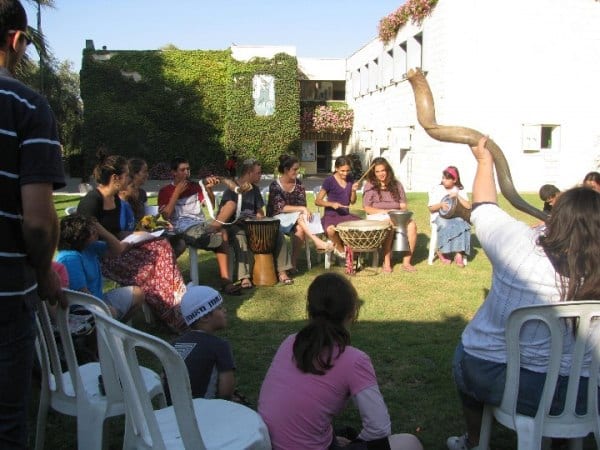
30, 168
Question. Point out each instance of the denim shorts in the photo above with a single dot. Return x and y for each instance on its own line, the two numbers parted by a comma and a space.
482, 382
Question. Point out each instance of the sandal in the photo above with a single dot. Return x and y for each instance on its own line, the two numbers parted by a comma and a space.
386, 270
458, 259
231, 289
285, 279
443, 258
246, 284
408, 268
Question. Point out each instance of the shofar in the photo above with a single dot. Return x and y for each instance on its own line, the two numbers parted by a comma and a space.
463, 135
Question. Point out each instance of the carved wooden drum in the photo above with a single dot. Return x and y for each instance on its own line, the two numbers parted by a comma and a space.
262, 239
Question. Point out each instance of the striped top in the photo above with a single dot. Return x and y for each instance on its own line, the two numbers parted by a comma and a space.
30, 152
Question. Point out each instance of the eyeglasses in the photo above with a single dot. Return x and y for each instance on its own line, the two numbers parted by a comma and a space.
24, 34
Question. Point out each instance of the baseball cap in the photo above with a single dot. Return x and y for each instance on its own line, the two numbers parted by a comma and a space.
198, 301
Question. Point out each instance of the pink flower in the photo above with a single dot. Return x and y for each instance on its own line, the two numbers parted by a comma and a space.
413, 10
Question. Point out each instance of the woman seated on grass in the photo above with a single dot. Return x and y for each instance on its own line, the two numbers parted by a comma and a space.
315, 372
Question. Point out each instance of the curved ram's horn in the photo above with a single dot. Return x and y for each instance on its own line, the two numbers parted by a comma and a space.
462, 135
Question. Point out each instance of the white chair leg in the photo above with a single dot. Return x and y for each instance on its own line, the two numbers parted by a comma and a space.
327, 260
193, 265
307, 249
40, 430
432, 244
90, 430
486, 428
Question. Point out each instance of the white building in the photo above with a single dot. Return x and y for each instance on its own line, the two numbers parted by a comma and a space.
526, 72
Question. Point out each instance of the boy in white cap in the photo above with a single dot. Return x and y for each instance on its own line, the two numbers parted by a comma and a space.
208, 357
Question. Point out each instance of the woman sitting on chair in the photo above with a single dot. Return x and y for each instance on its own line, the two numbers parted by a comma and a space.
340, 191
529, 268
383, 193
150, 265
454, 234
287, 202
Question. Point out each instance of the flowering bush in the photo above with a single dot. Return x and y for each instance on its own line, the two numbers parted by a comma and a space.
325, 119
413, 10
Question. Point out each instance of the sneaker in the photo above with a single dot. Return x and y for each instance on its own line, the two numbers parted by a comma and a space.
458, 442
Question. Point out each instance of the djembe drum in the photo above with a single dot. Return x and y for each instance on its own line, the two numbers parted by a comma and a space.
454, 209
262, 238
362, 236
400, 221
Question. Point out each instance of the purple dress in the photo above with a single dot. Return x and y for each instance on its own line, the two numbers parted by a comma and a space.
336, 193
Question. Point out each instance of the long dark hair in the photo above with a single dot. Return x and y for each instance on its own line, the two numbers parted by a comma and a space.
391, 184
286, 162
453, 173
331, 301
571, 243
108, 165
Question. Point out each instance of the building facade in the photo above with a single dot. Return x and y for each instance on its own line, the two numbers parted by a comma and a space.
525, 73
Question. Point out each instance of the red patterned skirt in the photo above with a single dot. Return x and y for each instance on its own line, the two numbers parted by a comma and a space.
151, 266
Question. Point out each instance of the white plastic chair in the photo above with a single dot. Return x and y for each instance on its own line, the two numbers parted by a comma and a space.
189, 423
567, 424
76, 392
70, 210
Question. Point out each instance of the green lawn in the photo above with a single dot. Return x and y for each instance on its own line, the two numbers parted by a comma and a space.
409, 324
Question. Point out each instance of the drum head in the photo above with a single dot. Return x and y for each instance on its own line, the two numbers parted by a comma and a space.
363, 225
449, 206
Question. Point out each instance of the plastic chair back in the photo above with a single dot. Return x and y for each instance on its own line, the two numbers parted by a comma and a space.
77, 392
66, 391
575, 333
197, 423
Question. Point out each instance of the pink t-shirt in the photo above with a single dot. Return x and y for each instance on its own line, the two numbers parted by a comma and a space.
298, 407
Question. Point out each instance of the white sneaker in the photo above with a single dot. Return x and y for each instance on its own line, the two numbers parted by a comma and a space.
458, 442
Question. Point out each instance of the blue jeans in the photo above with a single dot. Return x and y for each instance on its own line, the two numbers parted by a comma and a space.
482, 382
17, 337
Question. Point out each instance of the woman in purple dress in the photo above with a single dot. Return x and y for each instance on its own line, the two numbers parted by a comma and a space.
341, 193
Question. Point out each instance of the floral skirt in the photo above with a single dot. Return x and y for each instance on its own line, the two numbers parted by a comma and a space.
151, 266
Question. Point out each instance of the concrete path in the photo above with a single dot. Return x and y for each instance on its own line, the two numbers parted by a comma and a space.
153, 186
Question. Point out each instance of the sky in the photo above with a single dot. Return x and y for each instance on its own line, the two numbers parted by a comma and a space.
317, 28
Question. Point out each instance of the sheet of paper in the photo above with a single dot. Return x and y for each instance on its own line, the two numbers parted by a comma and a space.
314, 225
142, 236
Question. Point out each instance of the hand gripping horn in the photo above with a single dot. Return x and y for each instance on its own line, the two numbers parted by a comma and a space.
462, 135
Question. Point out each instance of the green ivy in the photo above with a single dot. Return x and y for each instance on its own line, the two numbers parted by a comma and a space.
197, 104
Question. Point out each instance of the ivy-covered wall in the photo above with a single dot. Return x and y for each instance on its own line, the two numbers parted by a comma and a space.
196, 104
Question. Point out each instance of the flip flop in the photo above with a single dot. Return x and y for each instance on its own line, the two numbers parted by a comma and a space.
409, 268
284, 279
246, 284
231, 289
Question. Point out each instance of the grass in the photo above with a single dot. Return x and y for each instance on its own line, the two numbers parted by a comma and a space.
409, 324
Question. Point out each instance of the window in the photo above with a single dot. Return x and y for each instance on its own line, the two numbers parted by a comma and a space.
400, 61
320, 90
419, 49
364, 80
540, 137
374, 75
387, 69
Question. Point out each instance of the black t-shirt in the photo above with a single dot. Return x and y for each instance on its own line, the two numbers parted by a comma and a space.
92, 205
205, 355
252, 202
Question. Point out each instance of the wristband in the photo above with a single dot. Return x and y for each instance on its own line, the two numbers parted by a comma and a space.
236, 190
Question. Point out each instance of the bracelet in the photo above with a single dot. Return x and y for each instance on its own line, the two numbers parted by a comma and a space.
236, 190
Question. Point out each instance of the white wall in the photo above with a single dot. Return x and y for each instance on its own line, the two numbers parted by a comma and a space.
498, 67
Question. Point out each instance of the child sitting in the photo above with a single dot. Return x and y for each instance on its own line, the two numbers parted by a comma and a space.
208, 357
80, 252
